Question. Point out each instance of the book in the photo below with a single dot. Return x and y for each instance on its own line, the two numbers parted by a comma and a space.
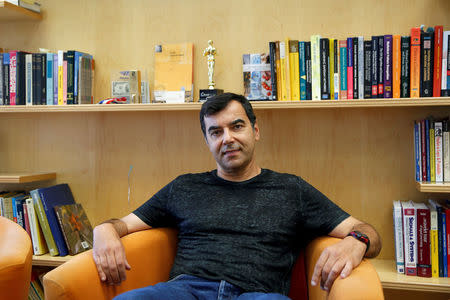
302, 69
283, 82
423, 240
44, 223
398, 235
308, 71
438, 151
278, 71
37, 237
381, 66
60, 77
415, 63
417, 151
287, 70
126, 84
442, 259
76, 74
434, 244
273, 70
405, 78
396, 66
75, 226
49, 77
86, 80
26, 220
349, 68
426, 62
388, 66
446, 150
29, 79
5, 83
343, 69
294, 72
324, 69
360, 67
50, 197
336, 69
174, 71
410, 237
437, 64
331, 69
315, 67
374, 66
445, 90
432, 152
367, 69
355, 68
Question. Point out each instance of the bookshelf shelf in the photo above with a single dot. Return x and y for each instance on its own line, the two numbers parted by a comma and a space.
432, 187
25, 178
390, 279
258, 105
49, 261
10, 12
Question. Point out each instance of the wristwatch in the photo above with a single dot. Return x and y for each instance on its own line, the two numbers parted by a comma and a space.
360, 237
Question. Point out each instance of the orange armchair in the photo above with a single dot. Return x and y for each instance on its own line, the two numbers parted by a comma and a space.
15, 261
151, 254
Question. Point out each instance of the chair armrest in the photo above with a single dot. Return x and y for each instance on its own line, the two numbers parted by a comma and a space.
363, 282
150, 254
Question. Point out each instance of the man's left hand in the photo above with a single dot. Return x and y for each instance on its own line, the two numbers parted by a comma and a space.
338, 259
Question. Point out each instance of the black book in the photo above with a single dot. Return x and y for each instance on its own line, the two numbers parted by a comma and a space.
367, 69
325, 69
308, 70
374, 66
273, 71
5, 83
446, 92
426, 62
405, 84
43, 87
20, 78
355, 68
35, 73
380, 67
336, 69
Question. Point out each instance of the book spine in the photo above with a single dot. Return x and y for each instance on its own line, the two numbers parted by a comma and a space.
405, 78
12, 77
438, 151
26, 220
444, 243
410, 229
39, 246
423, 142
315, 67
446, 150
331, 68
43, 76
434, 243
396, 66
43, 221
336, 69
49, 88
415, 63
388, 66
60, 77
343, 69
35, 79
432, 153
273, 71
65, 78
29, 79
381, 66
447, 236
367, 69
70, 76
2, 94
355, 68
60, 222
6, 79
308, 71
20, 83
417, 152
440, 241
426, 63
349, 68
398, 233
360, 67
423, 243
287, 71
282, 71
302, 67
445, 55
55, 79
374, 67
324, 69
294, 72
437, 64
427, 147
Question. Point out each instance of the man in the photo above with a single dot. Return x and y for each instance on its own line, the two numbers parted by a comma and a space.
240, 226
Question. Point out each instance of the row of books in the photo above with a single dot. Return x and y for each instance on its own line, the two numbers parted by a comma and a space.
432, 150
59, 78
36, 290
55, 223
421, 232
386, 66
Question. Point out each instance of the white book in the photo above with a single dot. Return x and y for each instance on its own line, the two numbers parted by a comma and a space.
337, 67
29, 79
315, 67
360, 67
446, 152
34, 227
445, 38
410, 237
398, 234
438, 151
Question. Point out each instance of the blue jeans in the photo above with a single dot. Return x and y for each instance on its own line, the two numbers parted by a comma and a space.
187, 287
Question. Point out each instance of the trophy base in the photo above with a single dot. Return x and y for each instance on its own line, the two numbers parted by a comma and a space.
205, 94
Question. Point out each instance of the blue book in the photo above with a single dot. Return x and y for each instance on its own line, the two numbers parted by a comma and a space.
343, 69
76, 69
427, 143
15, 201
444, 242
50, 197
417, 151
49, 78
302, 68
55, 79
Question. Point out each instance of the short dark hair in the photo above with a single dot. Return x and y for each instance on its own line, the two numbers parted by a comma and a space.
217, 103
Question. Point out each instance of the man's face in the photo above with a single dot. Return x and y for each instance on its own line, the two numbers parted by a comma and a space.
231, 138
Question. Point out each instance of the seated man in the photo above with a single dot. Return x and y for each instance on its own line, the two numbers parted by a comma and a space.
240, 226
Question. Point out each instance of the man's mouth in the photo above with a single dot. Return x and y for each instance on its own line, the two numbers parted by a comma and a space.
230, 152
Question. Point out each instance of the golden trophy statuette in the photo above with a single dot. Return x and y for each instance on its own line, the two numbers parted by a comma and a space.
210, 53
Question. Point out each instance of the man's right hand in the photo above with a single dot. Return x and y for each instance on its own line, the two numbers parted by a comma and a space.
109, 254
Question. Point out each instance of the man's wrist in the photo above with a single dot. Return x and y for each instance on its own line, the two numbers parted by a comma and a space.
119, 226
361, 237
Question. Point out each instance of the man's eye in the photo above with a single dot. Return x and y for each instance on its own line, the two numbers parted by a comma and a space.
238, 126
214, 133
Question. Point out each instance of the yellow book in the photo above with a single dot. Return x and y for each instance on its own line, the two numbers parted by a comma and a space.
282, 86
60, 77
434, 252
294, 72
287, 71
432, 154
37, 237
396, 68
331, 79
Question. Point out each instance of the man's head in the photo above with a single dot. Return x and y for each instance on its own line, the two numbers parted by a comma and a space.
230, 130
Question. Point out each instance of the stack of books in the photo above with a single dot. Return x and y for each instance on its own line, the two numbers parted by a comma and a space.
384, 66
59, 78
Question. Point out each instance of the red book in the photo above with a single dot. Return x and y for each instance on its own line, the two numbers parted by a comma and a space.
437, 70
26, 221
423, 240
12, 77
447, 222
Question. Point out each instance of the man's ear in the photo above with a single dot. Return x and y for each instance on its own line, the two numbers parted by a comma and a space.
256, 131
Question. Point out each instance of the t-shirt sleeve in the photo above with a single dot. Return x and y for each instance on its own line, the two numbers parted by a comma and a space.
154, 212
319, 214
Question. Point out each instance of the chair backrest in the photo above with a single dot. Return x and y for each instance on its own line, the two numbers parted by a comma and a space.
15, 261
299, 285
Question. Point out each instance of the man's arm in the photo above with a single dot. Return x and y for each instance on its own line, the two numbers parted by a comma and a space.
108, 252
341, 258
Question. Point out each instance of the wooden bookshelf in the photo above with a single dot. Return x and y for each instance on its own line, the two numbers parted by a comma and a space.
49, 261
433, 187
390, 279
10, 12
257, 105
26, 177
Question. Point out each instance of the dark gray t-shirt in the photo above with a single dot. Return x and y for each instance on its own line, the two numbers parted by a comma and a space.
248, 233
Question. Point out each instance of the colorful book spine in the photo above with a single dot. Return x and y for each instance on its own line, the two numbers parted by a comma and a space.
343, 69
415, 63
410, 238
294, 72
427, 147
396, 66
336, 69
446, 150
302, 68
417, 152
287, 71
6, 78
426, 62
444, 242
29, 79
432, 153
388, 66
405, 78
331, 68
315, 67
398, 233
273, 71
381, 66
12, 77
438, 142
374, 67
308, 71
437, 64
367, 69
65, 78
60, 77
349, 68
26, 218
70, 76
360, 67
55, 79
423, 240
49, 89
355, 68
445, 49
324, 69
282, 85
37, 238
434, 244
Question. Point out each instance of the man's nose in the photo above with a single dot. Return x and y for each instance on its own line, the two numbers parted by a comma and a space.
227, 136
